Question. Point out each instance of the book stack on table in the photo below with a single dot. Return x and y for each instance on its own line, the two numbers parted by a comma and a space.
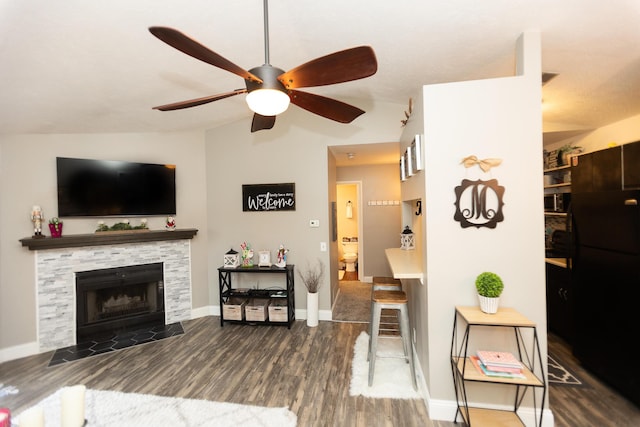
497, 364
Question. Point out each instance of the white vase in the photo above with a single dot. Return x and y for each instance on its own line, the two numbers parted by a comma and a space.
312, 309
488, 305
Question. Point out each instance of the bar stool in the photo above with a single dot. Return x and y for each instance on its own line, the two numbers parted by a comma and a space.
393, 300
388, 324
380, 282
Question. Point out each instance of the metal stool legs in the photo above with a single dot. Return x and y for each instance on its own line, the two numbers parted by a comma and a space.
394, 300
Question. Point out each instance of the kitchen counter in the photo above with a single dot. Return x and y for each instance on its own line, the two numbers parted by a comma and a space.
560, 262
405, 264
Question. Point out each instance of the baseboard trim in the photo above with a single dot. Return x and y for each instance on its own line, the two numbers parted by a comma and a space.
18, 351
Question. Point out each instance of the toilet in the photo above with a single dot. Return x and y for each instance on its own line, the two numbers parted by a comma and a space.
350, 255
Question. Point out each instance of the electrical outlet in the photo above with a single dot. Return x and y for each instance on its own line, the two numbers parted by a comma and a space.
314, 223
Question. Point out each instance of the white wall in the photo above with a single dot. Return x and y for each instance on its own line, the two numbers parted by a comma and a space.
290, 152
28, 177
497, 118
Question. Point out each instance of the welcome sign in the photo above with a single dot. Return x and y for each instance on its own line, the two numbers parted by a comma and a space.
269, 197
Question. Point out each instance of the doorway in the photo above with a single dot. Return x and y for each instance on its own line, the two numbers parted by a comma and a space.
349, 230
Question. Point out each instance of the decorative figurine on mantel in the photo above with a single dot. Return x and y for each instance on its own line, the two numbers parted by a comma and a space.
282, 257
36, 218
247, 255
171, 224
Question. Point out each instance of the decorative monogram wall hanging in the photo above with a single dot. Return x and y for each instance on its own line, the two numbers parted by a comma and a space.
479, 203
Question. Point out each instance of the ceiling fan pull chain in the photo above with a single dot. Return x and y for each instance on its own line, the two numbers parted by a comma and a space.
266, 32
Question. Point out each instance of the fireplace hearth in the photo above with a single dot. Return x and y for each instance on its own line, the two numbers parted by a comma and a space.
111, 301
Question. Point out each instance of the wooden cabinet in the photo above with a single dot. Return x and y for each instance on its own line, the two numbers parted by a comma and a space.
631, 160
525, 335
559, 301
597, 171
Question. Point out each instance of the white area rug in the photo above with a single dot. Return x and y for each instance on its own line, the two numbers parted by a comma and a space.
392, 376
112, 408
6, 390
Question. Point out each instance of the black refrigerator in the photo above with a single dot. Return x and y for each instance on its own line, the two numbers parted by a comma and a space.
606, 284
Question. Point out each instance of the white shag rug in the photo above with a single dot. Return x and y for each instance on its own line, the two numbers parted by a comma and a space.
113, 408
392, 376
7, 389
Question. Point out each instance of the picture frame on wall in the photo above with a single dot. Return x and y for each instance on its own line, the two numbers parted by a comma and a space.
407, 162
334, 222
403, 170
417, 161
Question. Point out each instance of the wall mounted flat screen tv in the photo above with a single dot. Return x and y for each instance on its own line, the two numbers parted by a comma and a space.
89, 188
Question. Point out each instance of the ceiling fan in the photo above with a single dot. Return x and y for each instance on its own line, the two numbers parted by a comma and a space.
269, 89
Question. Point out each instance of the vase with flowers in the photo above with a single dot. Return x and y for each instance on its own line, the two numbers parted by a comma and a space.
312, 279
55, 227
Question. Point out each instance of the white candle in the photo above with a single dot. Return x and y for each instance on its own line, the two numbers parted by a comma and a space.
73, 406
33, 417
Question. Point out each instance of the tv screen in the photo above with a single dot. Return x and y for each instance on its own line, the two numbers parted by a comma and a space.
113, 188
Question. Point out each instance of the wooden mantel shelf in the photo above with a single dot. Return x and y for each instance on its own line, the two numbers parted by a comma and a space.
77, 240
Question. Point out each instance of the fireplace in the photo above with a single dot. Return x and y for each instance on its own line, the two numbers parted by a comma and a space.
116, 300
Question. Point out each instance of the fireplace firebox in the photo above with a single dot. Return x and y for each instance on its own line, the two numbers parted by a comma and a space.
114, 300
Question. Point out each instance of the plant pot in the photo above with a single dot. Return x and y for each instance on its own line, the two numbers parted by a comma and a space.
488, 305
312, 309
56, 231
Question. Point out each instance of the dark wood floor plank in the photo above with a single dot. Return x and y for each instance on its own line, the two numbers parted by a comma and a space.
305, 369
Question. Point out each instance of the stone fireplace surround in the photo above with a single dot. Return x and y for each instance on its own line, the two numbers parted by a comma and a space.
57, 261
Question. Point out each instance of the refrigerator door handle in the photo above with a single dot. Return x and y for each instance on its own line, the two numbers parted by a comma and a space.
631, 202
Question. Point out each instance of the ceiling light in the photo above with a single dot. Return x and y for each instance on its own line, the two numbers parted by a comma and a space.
268, 102
269, 97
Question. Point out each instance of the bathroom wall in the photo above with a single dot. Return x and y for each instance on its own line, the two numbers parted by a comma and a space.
347, 227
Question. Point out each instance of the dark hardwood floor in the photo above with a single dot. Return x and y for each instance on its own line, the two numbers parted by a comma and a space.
591, 404
305, 369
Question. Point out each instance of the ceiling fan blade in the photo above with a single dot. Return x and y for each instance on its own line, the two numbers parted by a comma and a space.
261, 122
325, 107
191, 47
198, 101
346, 65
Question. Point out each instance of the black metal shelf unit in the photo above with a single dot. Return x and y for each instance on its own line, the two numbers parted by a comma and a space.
228, 291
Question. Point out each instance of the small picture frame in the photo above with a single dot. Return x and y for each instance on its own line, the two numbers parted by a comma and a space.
417, 161
409, 161
264, 259
403, 170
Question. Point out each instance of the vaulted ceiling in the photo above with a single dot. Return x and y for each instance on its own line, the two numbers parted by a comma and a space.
79, 66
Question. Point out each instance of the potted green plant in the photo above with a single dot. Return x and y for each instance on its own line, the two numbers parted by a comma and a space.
312, 279
489, 286
565, 151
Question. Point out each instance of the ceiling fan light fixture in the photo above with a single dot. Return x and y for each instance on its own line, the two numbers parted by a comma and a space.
268, 102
